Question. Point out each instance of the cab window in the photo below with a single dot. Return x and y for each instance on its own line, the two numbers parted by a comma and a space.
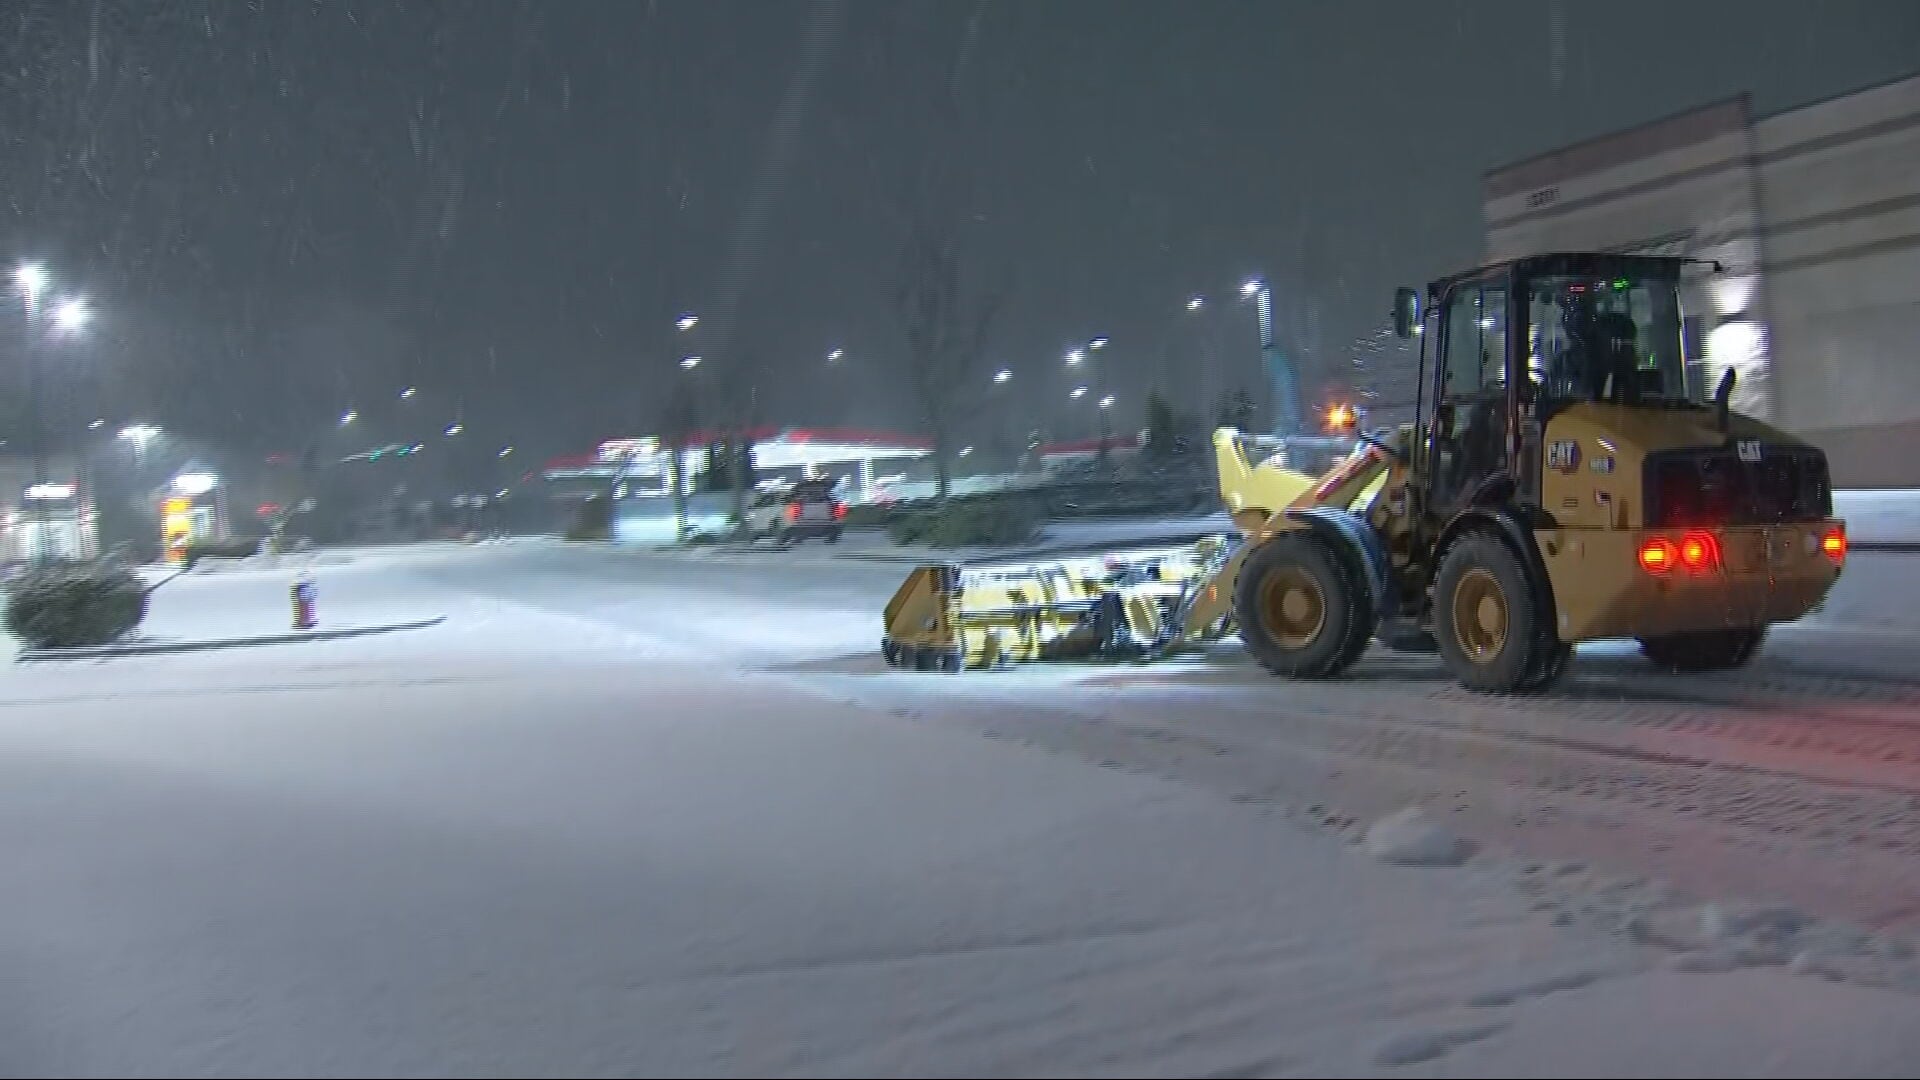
1476, 340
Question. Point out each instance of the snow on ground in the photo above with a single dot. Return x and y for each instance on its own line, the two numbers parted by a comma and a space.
252, 597
527, 841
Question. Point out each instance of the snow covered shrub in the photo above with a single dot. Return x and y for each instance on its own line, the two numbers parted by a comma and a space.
66, 607
910, 526
988, 521
234, 547
867, 516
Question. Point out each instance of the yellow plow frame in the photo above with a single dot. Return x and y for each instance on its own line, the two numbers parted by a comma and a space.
1133, 605
946, 617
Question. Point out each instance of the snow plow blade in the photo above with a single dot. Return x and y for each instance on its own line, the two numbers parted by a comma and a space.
1127, 606
1137, 605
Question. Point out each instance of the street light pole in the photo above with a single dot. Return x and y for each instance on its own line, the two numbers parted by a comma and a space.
31, 279
69, 319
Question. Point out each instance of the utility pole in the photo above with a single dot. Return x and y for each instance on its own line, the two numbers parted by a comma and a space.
36, 556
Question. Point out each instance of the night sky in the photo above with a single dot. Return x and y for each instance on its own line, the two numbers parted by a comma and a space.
283, 209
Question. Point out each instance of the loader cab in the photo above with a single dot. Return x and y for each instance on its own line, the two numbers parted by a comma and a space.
1504, 347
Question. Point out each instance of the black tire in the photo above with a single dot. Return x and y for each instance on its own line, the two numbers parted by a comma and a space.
890, 652
1553, 664
1704, 650
785, 538
1486, 617
1300, 608
1409, 639
833, 537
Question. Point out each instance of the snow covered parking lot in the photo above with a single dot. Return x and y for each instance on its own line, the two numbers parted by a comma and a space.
626, 815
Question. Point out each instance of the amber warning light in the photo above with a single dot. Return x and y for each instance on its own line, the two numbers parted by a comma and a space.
1834, 544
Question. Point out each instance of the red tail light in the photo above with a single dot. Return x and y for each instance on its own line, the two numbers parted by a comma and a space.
1699, 552
839, 510
793, 511
1659, 556
1834, 544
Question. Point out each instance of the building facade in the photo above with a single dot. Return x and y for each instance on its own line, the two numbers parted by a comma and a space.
1815, 215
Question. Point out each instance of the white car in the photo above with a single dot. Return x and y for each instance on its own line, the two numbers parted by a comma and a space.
790, 514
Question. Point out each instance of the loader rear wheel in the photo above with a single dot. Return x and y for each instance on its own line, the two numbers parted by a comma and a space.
1552, 665
1486, 619
1299, 608
1705, 650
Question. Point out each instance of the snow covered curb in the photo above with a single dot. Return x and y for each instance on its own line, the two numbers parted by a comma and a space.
140, 648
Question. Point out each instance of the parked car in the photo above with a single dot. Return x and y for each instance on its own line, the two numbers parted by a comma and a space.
792, 513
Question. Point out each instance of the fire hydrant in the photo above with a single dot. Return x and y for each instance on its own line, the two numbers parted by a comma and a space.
305, 617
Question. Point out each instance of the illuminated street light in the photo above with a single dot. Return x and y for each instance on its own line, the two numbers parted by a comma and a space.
455, 428
689, 363
1196, 303
504, 451
835, 355
1252, 286
32, 278
1002, 375
140, 434
1107, 402
1097, 343
407, 394
72, 316
1076, 356
97, 424
348, 417
687, 322
964, 451
1078, 393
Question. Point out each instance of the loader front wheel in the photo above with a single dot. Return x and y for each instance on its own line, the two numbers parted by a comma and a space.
1706, 650
1486, 619
1299, 608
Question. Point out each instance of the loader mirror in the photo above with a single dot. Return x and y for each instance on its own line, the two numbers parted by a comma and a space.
1406, 311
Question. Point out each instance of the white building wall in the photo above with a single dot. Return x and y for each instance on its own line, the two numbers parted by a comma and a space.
1680, 186
1840, 193
1816, 213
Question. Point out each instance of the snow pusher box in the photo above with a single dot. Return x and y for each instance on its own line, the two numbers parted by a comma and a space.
947, 617
1131, 605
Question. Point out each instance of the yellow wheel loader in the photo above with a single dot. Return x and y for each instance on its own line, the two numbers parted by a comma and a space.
1562, 483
